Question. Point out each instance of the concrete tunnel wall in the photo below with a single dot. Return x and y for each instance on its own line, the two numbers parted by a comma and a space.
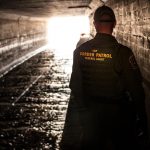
133, 29
19, 38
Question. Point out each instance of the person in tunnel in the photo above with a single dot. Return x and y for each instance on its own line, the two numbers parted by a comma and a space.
83, 38
106, 91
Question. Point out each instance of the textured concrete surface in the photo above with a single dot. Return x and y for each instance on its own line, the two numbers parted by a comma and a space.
133, 29
46, 8
18, 38
34, 98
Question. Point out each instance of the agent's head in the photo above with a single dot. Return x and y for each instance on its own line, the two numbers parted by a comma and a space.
104, 20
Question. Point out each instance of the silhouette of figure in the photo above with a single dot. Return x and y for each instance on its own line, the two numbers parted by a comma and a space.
106, 93
84, 38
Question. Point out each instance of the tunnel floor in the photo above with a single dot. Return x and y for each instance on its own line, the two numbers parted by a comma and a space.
33, 103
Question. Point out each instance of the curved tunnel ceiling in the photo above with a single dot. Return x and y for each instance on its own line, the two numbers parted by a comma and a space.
48, 8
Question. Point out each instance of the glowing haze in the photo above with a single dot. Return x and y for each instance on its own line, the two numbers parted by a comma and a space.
64, 33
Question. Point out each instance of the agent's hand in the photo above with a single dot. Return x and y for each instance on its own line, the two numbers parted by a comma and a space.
142, 128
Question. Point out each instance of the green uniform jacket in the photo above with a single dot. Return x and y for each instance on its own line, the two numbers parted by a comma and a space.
104, 68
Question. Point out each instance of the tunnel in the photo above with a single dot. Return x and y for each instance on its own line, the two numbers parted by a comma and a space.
35, 72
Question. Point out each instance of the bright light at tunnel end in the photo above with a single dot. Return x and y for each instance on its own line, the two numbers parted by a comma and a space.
104, 1
64, 33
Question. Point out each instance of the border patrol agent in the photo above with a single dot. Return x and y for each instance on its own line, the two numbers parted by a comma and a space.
106, 85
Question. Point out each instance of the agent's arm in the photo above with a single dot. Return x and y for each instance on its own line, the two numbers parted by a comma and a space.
133, 82
76, 80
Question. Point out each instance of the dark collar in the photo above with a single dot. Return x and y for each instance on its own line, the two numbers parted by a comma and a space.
105, 37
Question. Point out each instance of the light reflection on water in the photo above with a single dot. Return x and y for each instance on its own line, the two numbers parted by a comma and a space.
65, 57
63, 66
37, 118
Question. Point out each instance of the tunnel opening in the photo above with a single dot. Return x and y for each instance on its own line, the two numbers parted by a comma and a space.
63, 33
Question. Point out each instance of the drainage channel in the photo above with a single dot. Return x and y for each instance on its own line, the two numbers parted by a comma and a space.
33, 102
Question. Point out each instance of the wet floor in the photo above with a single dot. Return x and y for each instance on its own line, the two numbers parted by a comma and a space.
33, 102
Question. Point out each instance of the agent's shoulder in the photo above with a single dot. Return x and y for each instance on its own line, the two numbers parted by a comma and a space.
125, 49
85, 45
